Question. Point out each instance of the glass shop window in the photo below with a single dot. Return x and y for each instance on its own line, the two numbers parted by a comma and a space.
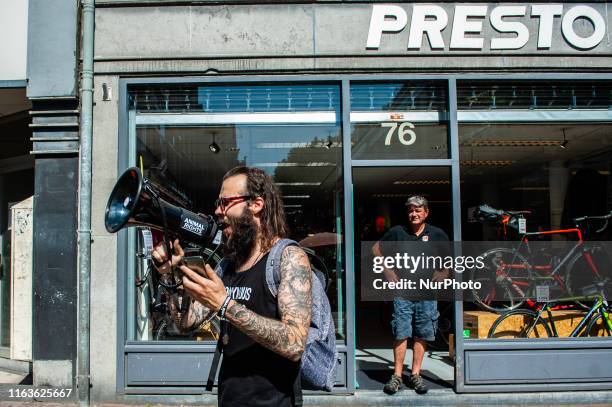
535, 162
188, 136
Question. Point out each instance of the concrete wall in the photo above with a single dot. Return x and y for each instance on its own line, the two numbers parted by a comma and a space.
308, 37
103, 251
52, 87
52, 48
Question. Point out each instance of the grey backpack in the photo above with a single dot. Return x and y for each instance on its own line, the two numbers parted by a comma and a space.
320, 357
318, 365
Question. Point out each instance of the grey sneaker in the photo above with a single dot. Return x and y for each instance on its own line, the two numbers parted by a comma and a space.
393, 385
416, 382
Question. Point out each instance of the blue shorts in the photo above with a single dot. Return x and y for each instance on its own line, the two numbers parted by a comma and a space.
414, 319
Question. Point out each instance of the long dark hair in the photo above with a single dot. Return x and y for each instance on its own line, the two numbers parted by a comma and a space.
272, 217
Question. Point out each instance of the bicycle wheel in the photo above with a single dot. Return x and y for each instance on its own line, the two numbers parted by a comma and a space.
519, 323
502, 289
208, 330
580, 278
597, 327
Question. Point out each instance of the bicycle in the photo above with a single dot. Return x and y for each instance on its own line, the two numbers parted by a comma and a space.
510, 274
156, 297
531, 324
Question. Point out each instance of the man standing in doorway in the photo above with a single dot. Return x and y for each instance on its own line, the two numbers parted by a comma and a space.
412, 319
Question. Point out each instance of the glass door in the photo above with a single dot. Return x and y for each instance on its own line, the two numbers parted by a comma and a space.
380, 195
401, 146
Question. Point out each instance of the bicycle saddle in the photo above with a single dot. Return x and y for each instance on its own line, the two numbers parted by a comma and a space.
518, 212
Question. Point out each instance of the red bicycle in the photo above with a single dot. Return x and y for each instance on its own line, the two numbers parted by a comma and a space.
511, 274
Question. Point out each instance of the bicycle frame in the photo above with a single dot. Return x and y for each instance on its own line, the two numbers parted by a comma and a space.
552, 273
516, 269
597, 306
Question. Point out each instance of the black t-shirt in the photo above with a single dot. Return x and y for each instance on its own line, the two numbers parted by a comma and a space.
391, 243
252, 375
401, 233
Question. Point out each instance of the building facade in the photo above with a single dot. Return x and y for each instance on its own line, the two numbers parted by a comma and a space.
464, 103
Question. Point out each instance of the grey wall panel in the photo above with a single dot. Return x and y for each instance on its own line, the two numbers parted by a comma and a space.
167, 369
201, 32
55, 249
160, 369
52, 48
538, 366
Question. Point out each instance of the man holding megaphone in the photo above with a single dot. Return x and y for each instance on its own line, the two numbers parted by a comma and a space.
265, 335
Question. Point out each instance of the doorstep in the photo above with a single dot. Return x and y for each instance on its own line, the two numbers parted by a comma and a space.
447, 397
367, 398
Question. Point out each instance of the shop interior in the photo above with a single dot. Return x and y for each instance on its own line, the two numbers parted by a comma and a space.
552, 173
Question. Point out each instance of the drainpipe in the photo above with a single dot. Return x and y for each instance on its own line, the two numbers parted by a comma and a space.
86, 130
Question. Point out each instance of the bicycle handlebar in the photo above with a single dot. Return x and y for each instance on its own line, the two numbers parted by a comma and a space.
607, 217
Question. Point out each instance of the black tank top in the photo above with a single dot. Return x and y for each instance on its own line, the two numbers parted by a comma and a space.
252, 375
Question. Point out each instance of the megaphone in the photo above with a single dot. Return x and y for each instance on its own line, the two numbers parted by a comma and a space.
137, 201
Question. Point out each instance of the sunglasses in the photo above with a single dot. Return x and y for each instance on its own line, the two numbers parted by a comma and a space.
224, 202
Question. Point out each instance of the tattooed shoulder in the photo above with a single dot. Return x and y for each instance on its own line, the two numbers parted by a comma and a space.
295, 263
294, 291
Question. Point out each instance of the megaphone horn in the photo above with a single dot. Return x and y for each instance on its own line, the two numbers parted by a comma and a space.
136, 201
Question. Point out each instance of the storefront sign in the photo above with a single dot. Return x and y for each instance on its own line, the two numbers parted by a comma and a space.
467, 21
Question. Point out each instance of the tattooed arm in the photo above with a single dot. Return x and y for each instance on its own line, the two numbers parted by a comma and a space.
196, 313
286, 337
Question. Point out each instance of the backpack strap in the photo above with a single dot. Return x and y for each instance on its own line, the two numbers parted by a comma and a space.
214, 366
273, 264
297, 398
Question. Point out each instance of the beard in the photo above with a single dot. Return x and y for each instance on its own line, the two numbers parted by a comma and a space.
241, 243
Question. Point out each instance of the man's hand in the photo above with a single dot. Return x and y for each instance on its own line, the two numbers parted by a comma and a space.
209, 291
389, 274
162, 264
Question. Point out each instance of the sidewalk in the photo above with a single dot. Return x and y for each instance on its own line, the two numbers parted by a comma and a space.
374, 398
